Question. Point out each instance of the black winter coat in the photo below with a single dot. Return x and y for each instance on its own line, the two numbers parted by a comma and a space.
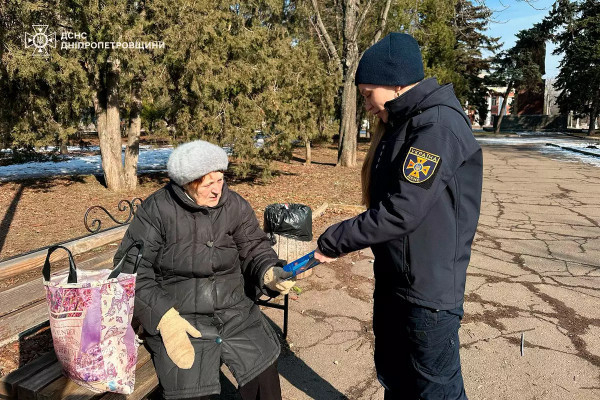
426, 181
198, 260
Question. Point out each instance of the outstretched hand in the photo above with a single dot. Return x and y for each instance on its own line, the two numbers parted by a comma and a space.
323, 258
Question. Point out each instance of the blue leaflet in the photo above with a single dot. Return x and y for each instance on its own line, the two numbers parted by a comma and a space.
302, 264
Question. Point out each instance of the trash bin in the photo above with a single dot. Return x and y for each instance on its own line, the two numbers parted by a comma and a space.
289, 227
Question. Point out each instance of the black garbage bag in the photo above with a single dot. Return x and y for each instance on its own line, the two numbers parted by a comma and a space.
291, 220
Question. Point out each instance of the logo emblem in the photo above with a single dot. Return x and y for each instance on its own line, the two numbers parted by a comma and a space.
419, 165
40, 40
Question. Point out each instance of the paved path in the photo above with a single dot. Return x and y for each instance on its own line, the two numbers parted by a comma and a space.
535, 270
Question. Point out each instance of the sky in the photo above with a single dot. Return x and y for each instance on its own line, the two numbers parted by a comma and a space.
512, 16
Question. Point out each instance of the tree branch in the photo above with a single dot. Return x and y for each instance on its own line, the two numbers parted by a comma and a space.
325, 34
320, 38
383, 21
361, 19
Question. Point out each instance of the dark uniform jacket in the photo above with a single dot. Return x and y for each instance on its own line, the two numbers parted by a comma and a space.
425, 192
198, 260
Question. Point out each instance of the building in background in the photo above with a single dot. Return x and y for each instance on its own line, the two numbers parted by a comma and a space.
526, 104
494, 99
530, 102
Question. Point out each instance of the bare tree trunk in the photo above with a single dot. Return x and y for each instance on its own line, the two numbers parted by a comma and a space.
63, 147
109, 131
133, 141
308, 152
347, 143
503, 109
100, 112
594, 114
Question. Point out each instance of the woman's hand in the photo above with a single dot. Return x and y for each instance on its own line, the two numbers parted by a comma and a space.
174, 331
323, 258
274, 279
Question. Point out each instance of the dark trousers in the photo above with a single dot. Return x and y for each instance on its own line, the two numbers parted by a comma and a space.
416, 351
265, 386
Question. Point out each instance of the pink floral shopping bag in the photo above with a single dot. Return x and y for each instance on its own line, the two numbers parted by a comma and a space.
90, 319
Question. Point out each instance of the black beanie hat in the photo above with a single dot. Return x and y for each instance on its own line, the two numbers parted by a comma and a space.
393, 61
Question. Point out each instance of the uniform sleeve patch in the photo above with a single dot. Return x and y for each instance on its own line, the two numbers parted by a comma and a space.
420, 166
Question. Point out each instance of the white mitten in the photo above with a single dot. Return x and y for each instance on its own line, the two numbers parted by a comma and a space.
274, 279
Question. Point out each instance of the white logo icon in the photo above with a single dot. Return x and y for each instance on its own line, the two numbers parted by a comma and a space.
40, 40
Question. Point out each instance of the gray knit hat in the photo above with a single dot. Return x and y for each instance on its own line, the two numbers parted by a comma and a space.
193, 160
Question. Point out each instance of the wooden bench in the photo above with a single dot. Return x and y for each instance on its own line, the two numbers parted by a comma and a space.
43, 379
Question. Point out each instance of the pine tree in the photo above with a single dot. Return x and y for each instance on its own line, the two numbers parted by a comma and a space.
578, 35
46, 97
239, 70
470, 24
521, 66
227, 72
116, 78
452, 36
42, 98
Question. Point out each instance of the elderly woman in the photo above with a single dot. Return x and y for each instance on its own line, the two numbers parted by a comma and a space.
204, 255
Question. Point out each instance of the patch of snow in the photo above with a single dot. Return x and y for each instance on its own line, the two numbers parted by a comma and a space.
150, 160
539, 143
